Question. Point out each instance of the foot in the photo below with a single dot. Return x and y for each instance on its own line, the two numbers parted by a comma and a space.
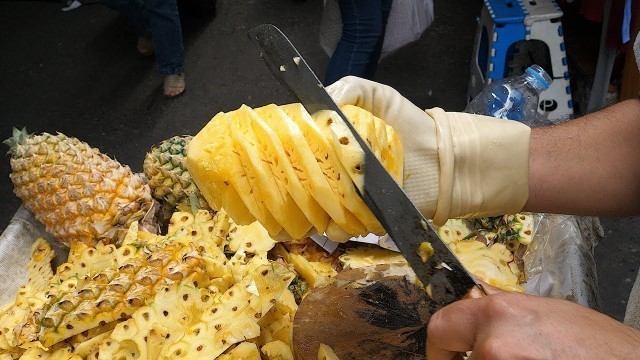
174, 85
145, 46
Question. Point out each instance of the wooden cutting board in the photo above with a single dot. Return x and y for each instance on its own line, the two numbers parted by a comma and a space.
368, 313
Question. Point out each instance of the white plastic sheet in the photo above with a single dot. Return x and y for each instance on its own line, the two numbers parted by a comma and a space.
407, 21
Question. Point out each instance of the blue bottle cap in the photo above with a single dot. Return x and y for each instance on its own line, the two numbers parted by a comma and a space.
538, 73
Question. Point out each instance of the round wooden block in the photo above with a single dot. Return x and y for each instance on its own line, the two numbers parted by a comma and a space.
368, 313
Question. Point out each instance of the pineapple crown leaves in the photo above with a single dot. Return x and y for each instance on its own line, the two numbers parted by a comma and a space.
17, 137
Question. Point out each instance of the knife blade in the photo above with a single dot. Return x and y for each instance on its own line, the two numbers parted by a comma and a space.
442, 272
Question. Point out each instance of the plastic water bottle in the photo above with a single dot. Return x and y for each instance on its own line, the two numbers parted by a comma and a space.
514, 98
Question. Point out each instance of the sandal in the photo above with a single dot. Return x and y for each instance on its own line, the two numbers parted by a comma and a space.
145, 46
174, 85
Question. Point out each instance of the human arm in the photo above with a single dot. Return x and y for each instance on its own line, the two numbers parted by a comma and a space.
588, 166
519, 326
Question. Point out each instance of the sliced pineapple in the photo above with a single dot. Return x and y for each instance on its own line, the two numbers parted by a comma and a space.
325, 352
252, 239
362, 256
315, 273
260, 164
351, 166
277, 350
525, 228
395, 164
285, 139
277, 324
454, 230
323, 168
39, 269
209, 152
244, 351
493, 264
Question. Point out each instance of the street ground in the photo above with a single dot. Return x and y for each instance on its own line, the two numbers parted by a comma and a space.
78, 73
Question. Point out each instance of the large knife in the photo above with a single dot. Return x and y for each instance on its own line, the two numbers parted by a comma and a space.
443, 273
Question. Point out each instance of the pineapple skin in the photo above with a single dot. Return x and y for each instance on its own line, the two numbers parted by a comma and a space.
170, 182
78, 193
111, 294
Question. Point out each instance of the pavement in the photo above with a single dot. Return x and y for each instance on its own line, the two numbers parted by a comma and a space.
78, 73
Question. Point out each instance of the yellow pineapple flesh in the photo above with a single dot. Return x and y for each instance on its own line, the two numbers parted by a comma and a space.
284, 168
78, 193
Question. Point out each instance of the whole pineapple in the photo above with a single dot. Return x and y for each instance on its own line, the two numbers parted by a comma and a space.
78, 193
170, 182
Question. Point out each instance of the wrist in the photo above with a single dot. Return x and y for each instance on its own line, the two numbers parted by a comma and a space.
484, 165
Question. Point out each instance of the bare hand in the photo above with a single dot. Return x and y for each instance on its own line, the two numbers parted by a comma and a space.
518, 326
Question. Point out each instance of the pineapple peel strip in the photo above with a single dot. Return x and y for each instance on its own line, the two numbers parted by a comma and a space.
111, 294
234, 317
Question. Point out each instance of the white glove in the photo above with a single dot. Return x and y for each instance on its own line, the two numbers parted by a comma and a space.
456, 164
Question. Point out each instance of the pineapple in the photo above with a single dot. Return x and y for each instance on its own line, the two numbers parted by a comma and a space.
277, 350
281, 166
78, 193
170, 182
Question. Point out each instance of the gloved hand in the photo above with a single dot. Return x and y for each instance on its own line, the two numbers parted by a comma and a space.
456, 164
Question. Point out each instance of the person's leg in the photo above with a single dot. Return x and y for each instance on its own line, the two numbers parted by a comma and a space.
167, 42
133, 11
370, 71
361, 31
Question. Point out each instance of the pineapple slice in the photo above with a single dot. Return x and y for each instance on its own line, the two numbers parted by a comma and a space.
91, 345
351, 170
244, 351
277, 350
260, 162
209, 152
39, 267
453, 231
525, 228
315, 273
395, 150
285, 138
493, 264
277, 324
361, 256
252, 238
324, 170
325, 352
202, 230
64, 352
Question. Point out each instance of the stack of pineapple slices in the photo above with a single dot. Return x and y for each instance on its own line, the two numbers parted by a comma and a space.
289, 170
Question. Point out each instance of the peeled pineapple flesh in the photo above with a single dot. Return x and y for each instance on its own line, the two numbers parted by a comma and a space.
281, 166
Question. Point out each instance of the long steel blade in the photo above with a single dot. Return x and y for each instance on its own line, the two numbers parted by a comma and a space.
448, 279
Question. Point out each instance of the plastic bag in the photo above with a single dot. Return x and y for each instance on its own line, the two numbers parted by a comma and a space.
407, 21
15, 250
559, 261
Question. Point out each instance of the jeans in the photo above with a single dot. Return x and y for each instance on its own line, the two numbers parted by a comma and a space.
363, 28
158, 19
